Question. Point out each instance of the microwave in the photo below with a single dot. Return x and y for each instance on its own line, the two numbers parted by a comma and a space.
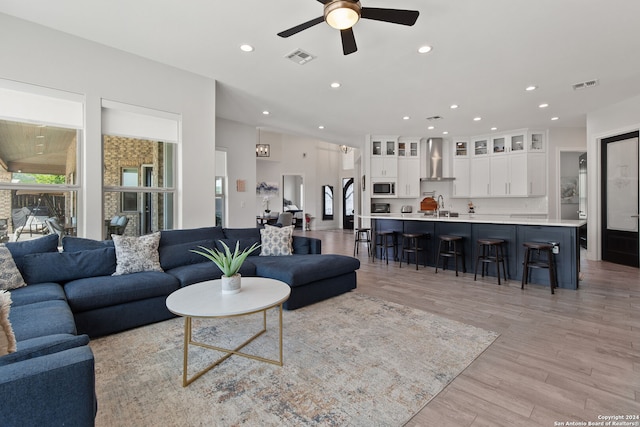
384, 188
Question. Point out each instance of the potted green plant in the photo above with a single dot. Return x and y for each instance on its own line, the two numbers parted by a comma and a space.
228, 262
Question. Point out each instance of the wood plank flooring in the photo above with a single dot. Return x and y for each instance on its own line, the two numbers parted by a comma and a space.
568, 357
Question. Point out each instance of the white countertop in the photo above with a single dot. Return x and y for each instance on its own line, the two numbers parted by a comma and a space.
481, 219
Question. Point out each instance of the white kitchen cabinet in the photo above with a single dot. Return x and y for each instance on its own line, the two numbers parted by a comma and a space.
384, 157
409, 147
480, 146
462, 174
408, 177
518, 175
460, 147
537, 142
384, 167
480, 181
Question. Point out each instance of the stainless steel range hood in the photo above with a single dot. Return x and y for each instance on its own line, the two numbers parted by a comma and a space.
434, 160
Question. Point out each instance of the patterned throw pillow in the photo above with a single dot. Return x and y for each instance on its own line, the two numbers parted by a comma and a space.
7, 339
10, 277
134, 254
276, 241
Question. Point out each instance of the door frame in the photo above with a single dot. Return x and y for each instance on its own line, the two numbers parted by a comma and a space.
558, 178
624, 135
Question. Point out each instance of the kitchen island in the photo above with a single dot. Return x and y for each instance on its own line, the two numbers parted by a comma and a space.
514, 230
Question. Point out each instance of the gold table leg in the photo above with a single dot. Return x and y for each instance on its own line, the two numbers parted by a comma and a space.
188, 340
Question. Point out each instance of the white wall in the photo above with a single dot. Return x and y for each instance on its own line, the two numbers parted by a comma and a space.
239, 141
37, 55
609, 121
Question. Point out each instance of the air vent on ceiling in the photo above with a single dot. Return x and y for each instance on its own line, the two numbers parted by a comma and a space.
300, 57
433, 118
586, 85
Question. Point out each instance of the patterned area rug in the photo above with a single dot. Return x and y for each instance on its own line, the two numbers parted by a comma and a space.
352, 360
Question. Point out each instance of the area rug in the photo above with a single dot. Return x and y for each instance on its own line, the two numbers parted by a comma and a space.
353, 360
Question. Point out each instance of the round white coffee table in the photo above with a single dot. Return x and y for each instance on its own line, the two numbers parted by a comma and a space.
205, 300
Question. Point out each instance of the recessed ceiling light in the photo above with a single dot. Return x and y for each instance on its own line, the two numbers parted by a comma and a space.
320, 127
406, 118
530, 88
494, 128
335, 85
39, 136
454, 106
445, 133
543, 105
425, 49
265, 112
477, 119
246, 48
431, 127
555, 118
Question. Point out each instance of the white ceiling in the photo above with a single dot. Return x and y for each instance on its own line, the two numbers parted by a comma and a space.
485, 52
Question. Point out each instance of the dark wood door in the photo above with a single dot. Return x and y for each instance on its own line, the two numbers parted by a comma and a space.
620, 199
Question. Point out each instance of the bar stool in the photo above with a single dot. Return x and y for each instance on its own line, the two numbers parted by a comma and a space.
362, 235
411, 245
384, 241
531, 261
448, 248
485, 256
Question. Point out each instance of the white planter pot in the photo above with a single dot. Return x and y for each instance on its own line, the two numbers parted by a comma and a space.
231, 285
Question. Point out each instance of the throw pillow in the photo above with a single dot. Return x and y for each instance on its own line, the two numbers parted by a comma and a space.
10, 277
7, 339
134, 254
276, 241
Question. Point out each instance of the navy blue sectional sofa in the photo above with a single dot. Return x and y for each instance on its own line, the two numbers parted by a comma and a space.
71, 296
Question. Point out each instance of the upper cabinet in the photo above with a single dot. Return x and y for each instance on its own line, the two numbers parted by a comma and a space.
384, 146
460, 148
536, 142
409, 148
480, 146
384, 157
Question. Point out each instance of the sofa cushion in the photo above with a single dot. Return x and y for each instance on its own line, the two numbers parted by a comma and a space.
61, 267
302, 269
10, 277
175, 237
7, 338
175, 255
75, 244
244, 243
135, 254
41, 319
41, 346
96, 292
276, 241
37, 293
241, 233
18, 250
194, 273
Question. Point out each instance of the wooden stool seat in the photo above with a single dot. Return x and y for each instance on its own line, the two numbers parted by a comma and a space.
411, 245
530, 261
448, 248
362, 235
384, 241
490, 251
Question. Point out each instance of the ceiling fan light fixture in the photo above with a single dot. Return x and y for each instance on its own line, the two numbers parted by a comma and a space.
342, 15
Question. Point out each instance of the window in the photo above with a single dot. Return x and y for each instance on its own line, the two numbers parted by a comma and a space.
40, 131
139, 146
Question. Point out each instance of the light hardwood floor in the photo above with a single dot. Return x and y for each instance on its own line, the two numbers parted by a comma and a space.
572, 356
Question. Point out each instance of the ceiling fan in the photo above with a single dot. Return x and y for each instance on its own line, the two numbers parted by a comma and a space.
344, 14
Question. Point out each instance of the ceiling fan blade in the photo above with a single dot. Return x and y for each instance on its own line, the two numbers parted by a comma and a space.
395, 16
324, 1
298, 28
348, 41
